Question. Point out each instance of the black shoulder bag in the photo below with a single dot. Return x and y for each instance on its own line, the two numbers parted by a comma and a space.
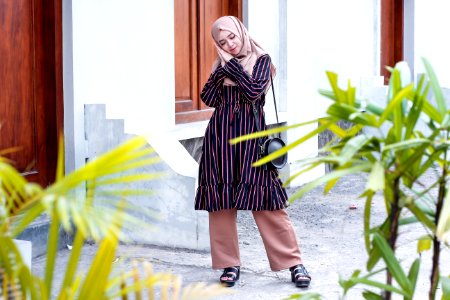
270, 144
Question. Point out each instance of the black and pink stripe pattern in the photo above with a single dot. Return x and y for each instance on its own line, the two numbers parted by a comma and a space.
226, 176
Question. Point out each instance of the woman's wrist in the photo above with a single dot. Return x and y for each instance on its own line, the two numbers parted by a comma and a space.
231, 68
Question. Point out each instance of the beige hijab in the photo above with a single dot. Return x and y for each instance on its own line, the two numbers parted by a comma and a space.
250, 51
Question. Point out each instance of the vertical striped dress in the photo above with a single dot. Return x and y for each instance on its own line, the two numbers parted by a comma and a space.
226, 177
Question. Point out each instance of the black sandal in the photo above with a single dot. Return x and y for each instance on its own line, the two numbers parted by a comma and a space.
300, 276
231, 274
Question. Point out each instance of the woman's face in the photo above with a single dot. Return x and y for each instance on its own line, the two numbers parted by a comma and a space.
230, 42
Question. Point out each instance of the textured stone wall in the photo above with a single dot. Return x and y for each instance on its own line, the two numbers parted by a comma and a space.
194, 147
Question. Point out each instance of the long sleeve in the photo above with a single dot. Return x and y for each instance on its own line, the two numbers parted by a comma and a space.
252, 86
213, 88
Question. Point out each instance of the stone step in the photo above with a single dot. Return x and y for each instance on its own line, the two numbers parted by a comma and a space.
37, 234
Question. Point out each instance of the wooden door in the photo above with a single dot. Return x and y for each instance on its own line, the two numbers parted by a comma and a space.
195, 52
31, 85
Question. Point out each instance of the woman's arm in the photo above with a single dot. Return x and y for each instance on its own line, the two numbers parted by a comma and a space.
212, 89
253, 86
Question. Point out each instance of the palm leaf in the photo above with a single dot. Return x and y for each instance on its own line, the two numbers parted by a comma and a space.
445, 282
441, 103
269, 132
367, 217
291, 146
415, 111
72, 264
443, 227
352, 147
395, 103
198, 291
363, 167
393, 265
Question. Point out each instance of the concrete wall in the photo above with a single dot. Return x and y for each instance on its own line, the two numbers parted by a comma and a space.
176, 224
37, 234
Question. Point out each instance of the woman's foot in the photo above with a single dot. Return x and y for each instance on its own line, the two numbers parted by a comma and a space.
300, 276
229, 276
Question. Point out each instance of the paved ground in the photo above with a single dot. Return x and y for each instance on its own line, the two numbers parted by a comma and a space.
330, 235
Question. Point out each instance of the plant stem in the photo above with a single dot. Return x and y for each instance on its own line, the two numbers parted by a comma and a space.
393, 231
434, 278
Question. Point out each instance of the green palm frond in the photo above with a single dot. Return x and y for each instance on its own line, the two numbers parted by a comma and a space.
102, 215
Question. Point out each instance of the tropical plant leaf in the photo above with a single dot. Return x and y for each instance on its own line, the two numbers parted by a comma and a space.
363, 167
296, 175
328, 94
437, 90
291, 146
352, 146
202, 291
409, 144
376, 180
414, 112
306, 296
343, 111
424, 244
374, 109
420, 215
163, 280
395, 103
371, 296
367, 217
443, 227
355, 279
72, 264
339, 94
269, 132
337, 130
432, 113
348, 284
407, 221
94, 285
413, 274
418, 155
52, 248
445, 283
393, 265
374, 257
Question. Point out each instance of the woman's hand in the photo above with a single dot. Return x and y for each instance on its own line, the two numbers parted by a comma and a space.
224, 56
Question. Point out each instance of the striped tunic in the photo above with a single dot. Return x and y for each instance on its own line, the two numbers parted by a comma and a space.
226, 176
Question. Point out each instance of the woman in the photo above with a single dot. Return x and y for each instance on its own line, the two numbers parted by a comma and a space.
227, 180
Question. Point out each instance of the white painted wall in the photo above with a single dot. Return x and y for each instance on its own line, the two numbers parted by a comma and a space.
263, 26
123, 57
121, 53
431, 37
340, 36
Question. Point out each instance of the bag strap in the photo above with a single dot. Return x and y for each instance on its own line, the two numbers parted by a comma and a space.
274, 100
256, 113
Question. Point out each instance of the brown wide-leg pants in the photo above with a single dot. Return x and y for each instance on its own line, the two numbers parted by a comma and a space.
276, 231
